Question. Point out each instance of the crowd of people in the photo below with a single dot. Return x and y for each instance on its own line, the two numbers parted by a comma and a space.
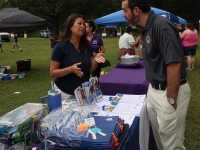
78, 52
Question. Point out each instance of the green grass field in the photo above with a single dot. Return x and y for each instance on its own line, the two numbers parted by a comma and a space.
37, 81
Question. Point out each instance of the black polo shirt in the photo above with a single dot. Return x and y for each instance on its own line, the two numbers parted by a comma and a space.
66, 54
161, 46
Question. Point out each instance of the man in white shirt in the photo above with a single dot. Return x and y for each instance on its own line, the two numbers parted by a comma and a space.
127, 42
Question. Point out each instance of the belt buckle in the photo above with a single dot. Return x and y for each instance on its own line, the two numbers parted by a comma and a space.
159, 85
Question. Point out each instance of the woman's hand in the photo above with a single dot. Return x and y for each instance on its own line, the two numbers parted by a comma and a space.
76, 70
94, 54
99, 58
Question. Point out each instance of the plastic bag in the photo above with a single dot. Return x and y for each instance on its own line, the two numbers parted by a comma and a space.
60, 126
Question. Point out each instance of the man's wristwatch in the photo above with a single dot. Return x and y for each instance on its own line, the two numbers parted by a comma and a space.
171, 101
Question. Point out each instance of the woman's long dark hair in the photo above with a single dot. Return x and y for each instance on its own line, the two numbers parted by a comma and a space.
190, 26
84, 44
91, 24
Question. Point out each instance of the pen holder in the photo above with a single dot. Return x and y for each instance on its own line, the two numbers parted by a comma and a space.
54, 99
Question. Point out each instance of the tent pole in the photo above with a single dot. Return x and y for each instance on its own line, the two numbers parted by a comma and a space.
25, 35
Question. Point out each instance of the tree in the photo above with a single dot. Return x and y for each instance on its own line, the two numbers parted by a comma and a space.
189, 10
57, 11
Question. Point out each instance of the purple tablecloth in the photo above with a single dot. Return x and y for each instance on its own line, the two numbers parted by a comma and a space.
125, 81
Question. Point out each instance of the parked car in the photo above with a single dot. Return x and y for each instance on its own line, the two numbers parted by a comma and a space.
5, 36
45, 33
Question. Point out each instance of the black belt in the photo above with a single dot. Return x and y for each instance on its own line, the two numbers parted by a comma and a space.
163, 86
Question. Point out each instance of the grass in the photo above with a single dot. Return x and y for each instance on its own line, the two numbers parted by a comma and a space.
37, 81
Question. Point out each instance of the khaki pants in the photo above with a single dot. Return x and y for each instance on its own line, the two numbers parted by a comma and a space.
167, 123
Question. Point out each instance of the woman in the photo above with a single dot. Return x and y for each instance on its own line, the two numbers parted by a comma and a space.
137, 42
95, 42
53, 39
189, 42
72, 58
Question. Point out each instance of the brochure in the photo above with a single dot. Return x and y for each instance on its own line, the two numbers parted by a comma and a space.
97, 91
88, 90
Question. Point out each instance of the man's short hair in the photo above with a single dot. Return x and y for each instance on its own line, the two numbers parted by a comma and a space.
144, 5
129, 29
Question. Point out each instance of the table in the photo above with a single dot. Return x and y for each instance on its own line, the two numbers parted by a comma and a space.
135, 134
130, 81
133, 139
124, 80
142, 140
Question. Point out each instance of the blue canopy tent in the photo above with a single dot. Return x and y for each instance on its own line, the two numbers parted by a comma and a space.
110, 27
117, 18
181, 20
173, 18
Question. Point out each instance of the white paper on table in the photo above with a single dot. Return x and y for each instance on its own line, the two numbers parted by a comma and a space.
137, 99
128, 108
127, 118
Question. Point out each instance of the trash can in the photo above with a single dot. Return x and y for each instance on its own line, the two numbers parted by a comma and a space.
25, 35
23, 65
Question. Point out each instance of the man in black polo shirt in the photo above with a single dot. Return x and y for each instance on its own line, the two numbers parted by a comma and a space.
168, 93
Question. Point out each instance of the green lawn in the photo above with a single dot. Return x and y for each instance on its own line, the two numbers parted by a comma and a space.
37, 81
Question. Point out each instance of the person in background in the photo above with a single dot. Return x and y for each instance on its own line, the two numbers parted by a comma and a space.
122, 31
190, 42
179, 27
53, 39
168, 93
95, 42
115, 32
15, 43
137, 42
127, 42
140, 40
180, 30
72, 58
1, 44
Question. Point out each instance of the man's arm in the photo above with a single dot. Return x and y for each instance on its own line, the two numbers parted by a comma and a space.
173, 80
